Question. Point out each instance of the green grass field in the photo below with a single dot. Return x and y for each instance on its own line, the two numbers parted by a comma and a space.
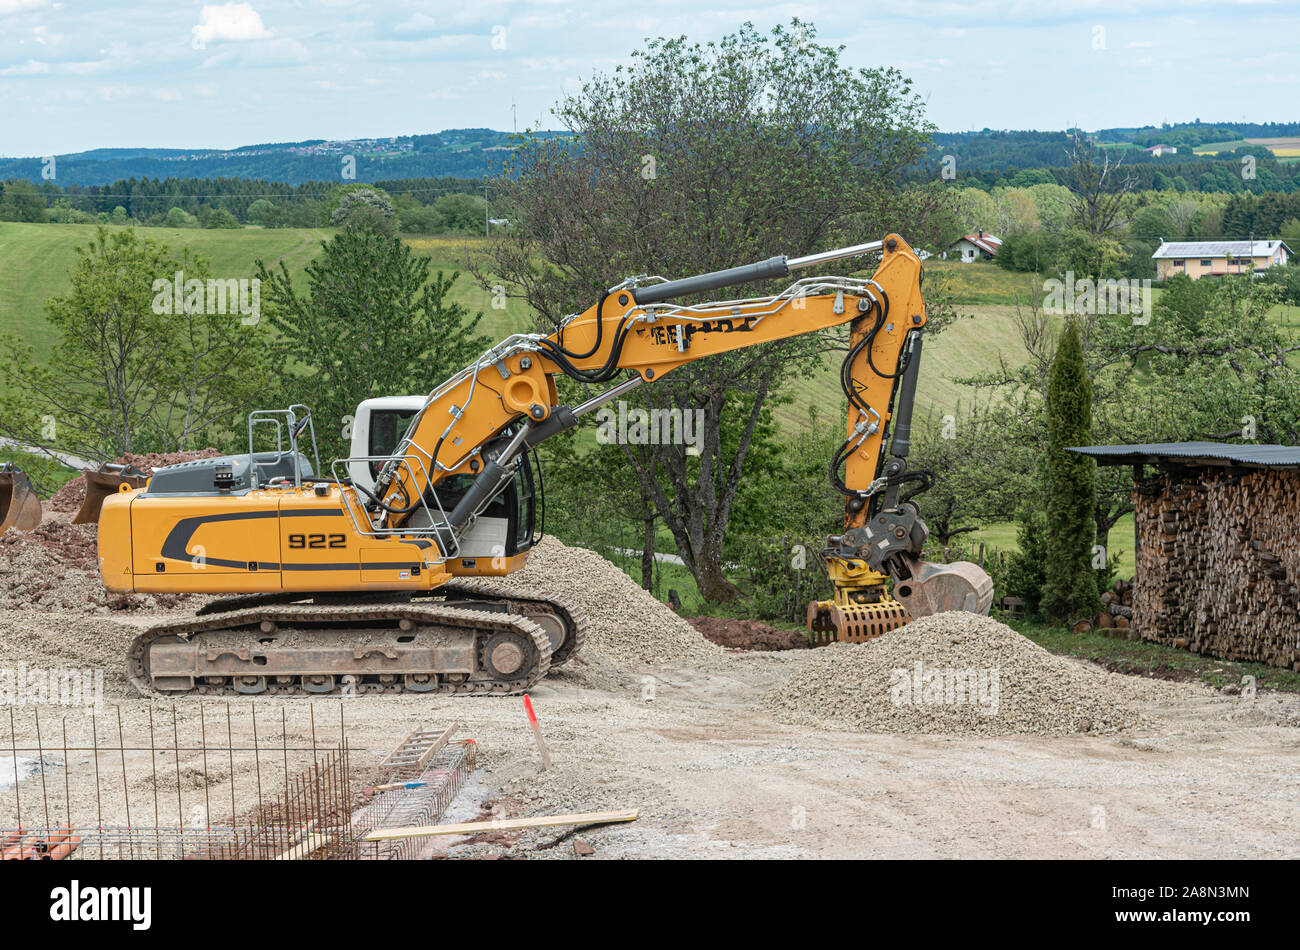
1001, 535
37, 261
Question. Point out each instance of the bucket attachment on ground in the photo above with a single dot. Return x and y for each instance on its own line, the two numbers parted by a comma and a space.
935, 588
19, 505
101, 482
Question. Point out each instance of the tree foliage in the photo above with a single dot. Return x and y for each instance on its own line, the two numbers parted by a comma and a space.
373, 322
1070, 582
127, 375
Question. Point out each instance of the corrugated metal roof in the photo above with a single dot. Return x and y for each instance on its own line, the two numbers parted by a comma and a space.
1260, 456
1217, 249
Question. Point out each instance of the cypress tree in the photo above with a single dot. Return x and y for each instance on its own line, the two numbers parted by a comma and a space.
1070, 583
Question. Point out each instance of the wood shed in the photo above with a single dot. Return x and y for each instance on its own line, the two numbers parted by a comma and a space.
1218, 546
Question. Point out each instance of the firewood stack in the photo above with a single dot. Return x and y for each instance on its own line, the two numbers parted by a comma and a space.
1218, 567
1116, 616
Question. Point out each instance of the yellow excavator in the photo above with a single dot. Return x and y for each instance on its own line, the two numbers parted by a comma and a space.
369, 579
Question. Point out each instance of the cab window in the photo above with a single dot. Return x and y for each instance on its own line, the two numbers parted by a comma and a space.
387, 426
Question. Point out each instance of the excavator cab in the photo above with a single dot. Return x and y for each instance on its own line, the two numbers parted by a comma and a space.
502, 532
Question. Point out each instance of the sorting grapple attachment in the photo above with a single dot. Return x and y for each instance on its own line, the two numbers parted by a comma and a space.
19, 505
102, 482
829, 622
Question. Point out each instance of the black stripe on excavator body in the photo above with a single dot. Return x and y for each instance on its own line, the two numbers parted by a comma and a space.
176, 544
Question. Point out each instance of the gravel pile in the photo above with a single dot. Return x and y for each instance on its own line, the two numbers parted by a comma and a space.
66, 641
958, 674
625, 624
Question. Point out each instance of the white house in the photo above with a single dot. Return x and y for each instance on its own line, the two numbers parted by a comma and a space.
980, 246
1158, 150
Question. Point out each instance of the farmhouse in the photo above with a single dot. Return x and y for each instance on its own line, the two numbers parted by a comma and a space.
1158, 150
1198, 258
980, 246
1218, 546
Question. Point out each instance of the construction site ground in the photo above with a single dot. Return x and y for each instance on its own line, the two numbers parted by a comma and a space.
713, 776
727, 752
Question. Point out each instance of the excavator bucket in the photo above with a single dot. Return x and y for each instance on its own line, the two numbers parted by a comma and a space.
19, 506
935, 588
101, 482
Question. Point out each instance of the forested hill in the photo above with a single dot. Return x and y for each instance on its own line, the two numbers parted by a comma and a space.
455, 153
474, 153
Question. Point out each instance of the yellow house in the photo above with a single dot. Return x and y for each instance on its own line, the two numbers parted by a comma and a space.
1198, 258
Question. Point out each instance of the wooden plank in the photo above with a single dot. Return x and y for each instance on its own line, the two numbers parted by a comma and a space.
507, 824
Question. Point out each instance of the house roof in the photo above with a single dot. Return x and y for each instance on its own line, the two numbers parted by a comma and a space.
1195, 453
1155, 147
988, 243
1218, 249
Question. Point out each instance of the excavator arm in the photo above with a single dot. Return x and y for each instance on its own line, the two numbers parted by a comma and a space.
478, 424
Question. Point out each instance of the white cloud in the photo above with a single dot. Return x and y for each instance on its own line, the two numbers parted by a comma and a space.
18, 6
417, 23
230, 21
29, 68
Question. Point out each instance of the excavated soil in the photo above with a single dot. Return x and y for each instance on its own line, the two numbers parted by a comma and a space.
736, 634
55, 567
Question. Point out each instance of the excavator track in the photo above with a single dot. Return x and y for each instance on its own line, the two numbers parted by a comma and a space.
312, 649
550, 610
562, 619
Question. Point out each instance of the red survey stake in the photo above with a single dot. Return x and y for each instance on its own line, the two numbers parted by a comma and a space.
537, 732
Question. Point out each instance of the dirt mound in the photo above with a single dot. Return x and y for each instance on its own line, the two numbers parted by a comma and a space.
748, 634
958, 674
626, 624
70, 496
56, 568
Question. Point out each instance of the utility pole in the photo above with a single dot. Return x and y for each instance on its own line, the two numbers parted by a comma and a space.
487, 214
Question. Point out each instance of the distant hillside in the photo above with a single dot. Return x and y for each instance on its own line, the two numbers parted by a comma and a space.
455, 153
1003, 149
989, 154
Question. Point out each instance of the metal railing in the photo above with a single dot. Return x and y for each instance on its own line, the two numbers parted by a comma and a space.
438, 525
294, 425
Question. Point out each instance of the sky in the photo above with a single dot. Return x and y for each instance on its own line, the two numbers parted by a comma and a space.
135, 73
